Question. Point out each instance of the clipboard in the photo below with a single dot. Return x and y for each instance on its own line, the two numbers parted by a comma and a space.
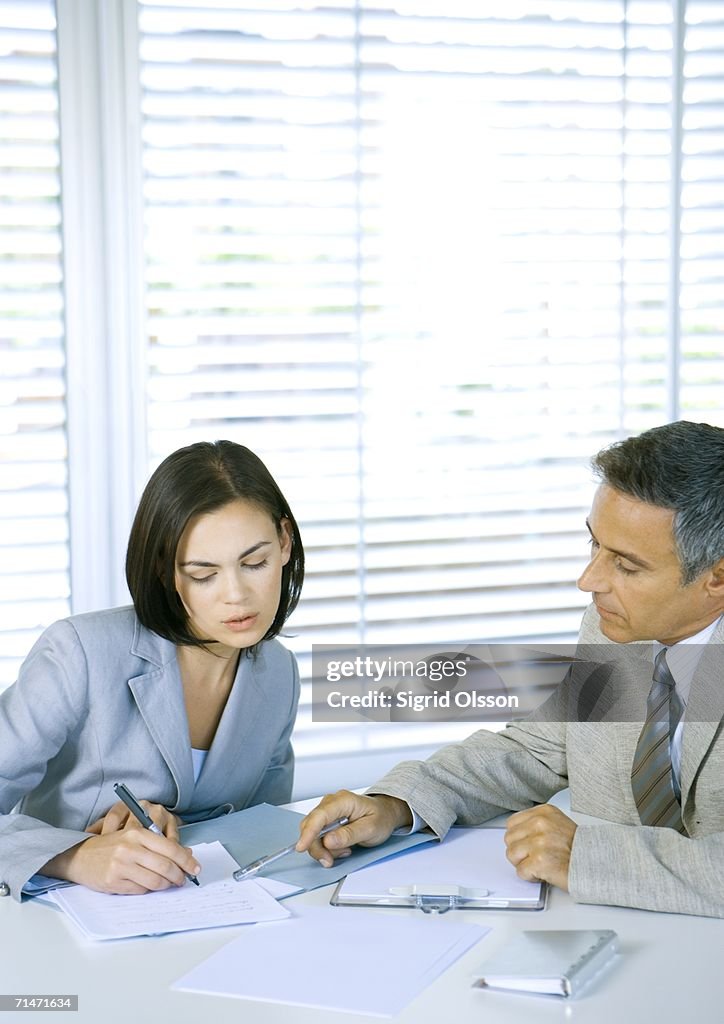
467, 871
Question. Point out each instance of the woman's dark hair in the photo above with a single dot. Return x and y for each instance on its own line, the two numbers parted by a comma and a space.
679, 466
196, 480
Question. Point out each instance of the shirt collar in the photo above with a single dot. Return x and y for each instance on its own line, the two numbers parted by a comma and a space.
683, 657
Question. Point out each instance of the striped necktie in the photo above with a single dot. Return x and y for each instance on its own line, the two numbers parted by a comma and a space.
651, 777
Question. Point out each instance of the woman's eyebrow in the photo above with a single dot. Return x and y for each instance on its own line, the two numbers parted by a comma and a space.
213, 565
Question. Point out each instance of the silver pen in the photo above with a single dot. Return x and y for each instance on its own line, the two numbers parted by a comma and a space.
241, 874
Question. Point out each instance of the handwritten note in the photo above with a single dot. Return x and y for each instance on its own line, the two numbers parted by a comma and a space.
216, 902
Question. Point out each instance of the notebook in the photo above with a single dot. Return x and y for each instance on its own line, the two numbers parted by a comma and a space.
558, 963
467, 870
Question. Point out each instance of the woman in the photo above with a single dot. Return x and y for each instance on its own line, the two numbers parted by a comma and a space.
186, 696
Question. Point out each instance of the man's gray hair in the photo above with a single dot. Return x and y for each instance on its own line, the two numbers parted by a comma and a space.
679, 466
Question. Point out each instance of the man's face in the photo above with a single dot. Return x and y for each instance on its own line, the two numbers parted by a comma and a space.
634, 573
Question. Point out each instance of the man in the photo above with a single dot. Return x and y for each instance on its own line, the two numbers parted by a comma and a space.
656, 573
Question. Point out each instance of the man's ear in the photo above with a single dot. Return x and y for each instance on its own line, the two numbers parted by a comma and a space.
715, 581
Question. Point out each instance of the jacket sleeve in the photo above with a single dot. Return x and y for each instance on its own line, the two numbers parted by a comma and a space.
650, 868
37, 714
611, 864
485, 775
275, 785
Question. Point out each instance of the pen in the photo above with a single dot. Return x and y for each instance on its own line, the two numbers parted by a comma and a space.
138, 812
256, 865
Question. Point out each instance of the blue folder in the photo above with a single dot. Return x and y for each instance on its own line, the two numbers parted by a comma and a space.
257, 831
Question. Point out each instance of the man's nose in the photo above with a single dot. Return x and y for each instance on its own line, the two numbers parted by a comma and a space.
593, 579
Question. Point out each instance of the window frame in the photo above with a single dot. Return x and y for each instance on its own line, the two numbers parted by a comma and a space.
100, 146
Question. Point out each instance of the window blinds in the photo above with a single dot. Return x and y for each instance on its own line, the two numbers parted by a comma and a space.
34, 587
421, 257
702, 215
415, 255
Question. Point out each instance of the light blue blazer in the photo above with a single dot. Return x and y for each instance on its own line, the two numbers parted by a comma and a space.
99, 700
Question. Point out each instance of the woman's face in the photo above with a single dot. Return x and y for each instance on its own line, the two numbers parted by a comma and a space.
229, 573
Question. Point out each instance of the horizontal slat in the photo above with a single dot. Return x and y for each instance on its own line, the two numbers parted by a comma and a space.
556, 625
36, 613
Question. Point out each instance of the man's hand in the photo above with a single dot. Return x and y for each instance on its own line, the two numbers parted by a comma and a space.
119, 817
372, 819
539, 843
131, 861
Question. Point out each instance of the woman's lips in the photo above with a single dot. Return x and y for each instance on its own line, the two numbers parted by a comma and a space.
239, 624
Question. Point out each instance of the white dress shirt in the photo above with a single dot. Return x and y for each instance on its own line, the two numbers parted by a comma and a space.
682, 659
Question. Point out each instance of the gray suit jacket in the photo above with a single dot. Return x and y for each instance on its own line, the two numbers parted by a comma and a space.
99, 700
619, 861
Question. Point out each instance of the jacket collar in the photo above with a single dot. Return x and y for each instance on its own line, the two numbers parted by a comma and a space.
151, 647
159, 697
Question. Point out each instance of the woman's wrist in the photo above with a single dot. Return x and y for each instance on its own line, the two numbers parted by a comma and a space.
61, 866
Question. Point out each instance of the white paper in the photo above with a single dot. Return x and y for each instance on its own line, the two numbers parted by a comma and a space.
471, 857
217, 901
354, 961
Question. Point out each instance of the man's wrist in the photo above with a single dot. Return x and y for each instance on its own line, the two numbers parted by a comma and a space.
398, 810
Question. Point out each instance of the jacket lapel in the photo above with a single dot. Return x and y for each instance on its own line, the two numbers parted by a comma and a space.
704, 710
158, 694
231, 755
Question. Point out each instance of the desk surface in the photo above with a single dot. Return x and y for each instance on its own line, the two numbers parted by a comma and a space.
670, 972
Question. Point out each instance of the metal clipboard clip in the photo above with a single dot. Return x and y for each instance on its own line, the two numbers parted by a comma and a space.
434, 898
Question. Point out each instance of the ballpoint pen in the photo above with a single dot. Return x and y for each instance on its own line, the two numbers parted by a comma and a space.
138, 812
241, 874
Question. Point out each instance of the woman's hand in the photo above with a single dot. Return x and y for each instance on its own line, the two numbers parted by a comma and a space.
124, 857
118, 817
130, 862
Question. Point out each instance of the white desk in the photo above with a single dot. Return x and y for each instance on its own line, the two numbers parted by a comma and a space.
671, 972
